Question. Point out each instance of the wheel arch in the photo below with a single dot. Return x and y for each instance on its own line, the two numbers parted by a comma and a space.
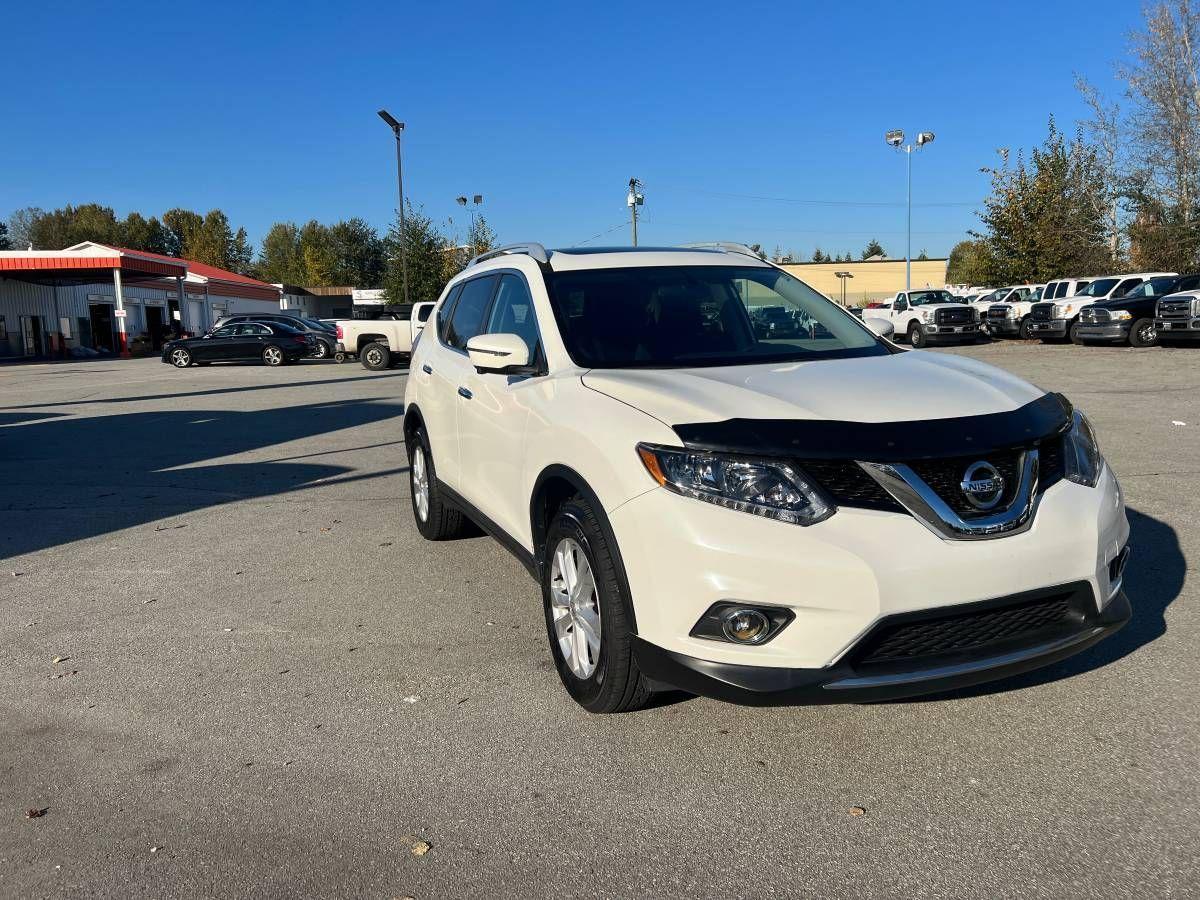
364, 339
554, 486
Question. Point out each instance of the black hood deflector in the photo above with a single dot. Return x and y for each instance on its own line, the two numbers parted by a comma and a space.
1049, 415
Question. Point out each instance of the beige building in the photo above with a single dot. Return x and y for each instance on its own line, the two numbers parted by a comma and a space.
873, 279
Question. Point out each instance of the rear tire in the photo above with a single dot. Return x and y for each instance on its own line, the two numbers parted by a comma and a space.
436, 520
1143, 334
375, 356
321, 351
273, 356
590, 636
916, 336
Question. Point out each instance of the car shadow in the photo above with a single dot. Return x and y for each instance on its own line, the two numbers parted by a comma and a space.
71, 478
1154, 578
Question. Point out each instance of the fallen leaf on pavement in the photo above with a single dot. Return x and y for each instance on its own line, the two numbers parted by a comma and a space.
34, 813
420, 848
857, 811
60, 659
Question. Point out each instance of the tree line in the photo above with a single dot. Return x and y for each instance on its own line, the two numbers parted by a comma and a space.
1122, 192
873, 248
349, 252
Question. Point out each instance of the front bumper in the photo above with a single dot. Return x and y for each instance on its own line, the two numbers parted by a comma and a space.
1178, 329
939, 334
1113, 331
848, 683
1051, 328
843, 576
1003, 326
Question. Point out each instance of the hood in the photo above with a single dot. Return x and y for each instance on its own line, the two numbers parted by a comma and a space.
898, 387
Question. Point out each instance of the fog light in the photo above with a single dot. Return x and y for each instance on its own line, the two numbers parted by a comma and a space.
745, 626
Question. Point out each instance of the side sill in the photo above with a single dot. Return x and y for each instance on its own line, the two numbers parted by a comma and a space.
506, 540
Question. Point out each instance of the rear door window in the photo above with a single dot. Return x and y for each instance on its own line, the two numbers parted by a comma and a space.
445, 311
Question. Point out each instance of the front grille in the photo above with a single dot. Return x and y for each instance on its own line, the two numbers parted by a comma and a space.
954, 633
1043, 312
1093, 316
1050, 462
945, 477
999, 312
1174, 309
959, 316
847, 483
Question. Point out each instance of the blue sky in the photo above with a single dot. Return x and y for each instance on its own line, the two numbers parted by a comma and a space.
267, 110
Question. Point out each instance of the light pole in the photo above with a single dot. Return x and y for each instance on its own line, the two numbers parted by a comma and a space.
633, 200
476, 202
842, 276
397, 130
895, 139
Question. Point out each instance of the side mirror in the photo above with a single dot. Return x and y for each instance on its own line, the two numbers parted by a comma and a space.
882, 327
497, 352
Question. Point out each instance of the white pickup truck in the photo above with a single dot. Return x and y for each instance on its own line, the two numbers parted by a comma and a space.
377, 342
929, 316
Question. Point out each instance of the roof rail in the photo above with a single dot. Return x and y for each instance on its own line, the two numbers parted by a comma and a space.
537, 251
727, 246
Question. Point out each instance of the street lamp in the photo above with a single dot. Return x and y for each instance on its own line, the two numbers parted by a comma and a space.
397, 130
895, 140
842, 276
476, 202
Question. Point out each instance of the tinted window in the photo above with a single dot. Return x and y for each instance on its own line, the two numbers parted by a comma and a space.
684, 316
1188, 283
253, 329
467, 319
423, 313
444, 311
226, 331
287, 327
1126, 286
1155, 287
1098, 288
924, 298
512, 313
1061, 290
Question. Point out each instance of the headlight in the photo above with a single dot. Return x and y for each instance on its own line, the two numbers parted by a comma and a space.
761, 487
1062, 310
926, 315
1082, 461
1122, 314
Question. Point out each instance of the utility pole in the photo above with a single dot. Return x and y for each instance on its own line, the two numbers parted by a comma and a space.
895, 139
634, 199
397, 130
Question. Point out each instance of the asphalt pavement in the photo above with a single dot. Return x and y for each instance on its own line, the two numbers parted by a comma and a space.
229, 666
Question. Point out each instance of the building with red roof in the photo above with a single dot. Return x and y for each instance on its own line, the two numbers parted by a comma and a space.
92, 298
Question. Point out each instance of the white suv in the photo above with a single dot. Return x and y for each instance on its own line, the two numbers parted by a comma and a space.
815, 518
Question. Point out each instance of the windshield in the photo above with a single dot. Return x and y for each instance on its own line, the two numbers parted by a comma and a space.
924, 298
318, 324
683, 316
1098, 288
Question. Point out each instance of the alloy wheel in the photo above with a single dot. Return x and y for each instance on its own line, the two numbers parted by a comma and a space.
180, 358
1146, 334
273, 356
575, 606
374, 357
420, 483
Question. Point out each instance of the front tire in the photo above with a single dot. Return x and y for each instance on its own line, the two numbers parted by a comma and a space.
916, 336
181, 358
436, 520
272, 356
1143, 334
1074, 335
1023, 332
590, 636
375, 356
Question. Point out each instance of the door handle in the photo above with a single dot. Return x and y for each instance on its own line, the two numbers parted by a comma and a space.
426, 369
464, 393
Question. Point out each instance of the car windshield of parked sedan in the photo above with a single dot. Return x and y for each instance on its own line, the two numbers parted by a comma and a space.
924, 298
684, 316
1098, 288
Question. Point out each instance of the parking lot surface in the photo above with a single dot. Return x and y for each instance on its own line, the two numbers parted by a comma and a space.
229, 666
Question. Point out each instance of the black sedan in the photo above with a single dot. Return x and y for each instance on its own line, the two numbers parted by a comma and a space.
274, 343
1130, 319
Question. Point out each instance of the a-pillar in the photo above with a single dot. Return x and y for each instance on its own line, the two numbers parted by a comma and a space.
122, 335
